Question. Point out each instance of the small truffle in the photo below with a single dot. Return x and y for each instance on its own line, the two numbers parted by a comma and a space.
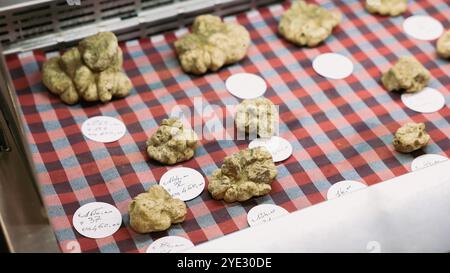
155, 210
443, 45
211, 45
406, 75
410, 137
387, 7
257, 117
75, 69
243, 175
172, 143
307, 24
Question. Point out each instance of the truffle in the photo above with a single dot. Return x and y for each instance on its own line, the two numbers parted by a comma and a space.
243, 175
406, 75
410, 137
211, 45
387, 7
443, 45
257, 116
155, 210
172, 143
92, 73
307, 24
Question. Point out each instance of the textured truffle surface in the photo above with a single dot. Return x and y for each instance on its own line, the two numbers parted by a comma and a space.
243, 175
410, 137
407, 75
443, 45
172, 142
307, 24
387, 7
155, 210
211, 45
257, 117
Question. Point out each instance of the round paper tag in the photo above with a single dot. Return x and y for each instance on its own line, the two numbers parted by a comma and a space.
170, 244
427, 160
246, 85
183, 183
103, 129
428, 100
342, 188
333, 66
97, 220
264, 213
423, 27
279, 148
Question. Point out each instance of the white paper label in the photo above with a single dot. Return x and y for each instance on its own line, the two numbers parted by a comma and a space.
103, 129
342, 188
428, 100
183, 183
246, 85
423, 27
170, 244
333, 66
427, 160
97, 220
264, 213
279, 148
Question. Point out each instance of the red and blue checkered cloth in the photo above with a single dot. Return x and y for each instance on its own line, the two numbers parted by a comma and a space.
340, 129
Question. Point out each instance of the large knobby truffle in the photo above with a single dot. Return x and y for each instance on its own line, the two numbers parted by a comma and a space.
410, 137
155, 210
91, 72
257, 117
407, 75
387, 7
172, 142
307, 24
243, 175
443, 45
211, 45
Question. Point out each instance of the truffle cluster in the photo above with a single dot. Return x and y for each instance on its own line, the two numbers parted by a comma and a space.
155, 210
443, 45
243, 175
307, 24
211, 45
257, 117
91, 72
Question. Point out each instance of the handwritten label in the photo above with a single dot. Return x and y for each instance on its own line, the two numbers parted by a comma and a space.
342, 188
264, 213
97, 220
427, 160
170, 244
246, 85
333, 66
428, 100
183, 183
103, 129
422, 27
279, 148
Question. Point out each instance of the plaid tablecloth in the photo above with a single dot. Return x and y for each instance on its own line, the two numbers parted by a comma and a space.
340, 129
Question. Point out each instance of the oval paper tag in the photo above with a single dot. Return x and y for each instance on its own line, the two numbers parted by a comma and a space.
279, 148
170, 244
428, 100
103, 129
183, 183
333, 66
264, 213
427, 160
97, 220
342, 188
246, 85
423, 27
